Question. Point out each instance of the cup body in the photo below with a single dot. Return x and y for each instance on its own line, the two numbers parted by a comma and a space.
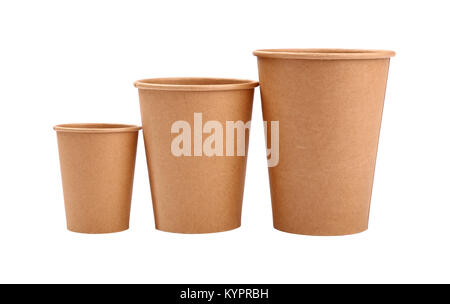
97, 169
195, 191
329, 105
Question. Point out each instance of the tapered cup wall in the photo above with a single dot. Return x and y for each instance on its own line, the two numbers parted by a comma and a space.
97, 168
329, 105
194, 192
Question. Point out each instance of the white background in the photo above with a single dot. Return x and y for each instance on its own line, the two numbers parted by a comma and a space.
75, 61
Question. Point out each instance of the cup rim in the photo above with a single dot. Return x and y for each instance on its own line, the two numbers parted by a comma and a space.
324, 54
96, 128
195, 84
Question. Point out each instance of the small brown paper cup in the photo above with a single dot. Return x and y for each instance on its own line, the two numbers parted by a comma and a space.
194, 192
329, 106
97, 169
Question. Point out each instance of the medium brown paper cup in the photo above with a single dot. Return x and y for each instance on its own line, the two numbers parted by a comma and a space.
97, 169
194, 194
329, 105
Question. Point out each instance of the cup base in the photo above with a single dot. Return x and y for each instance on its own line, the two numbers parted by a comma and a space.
80, 231
310, 233
197, 232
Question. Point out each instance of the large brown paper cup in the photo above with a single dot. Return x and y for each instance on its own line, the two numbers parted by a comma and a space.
97, 168
329, 105
194, 194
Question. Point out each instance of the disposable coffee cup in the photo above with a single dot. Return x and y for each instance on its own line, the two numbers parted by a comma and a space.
196, 172
329, 104
97, 169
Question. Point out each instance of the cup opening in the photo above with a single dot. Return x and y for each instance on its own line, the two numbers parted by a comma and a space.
324, 54
96, 128
195, 84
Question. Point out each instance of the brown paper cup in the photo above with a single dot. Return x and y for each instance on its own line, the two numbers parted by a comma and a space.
329, 105
194, 192
97, 168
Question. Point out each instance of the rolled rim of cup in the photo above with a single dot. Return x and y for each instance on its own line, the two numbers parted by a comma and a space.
96, 128
324, 54
195, 84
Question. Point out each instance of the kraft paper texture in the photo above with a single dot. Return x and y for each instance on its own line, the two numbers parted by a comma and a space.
193, 194
97, 169
329, 105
